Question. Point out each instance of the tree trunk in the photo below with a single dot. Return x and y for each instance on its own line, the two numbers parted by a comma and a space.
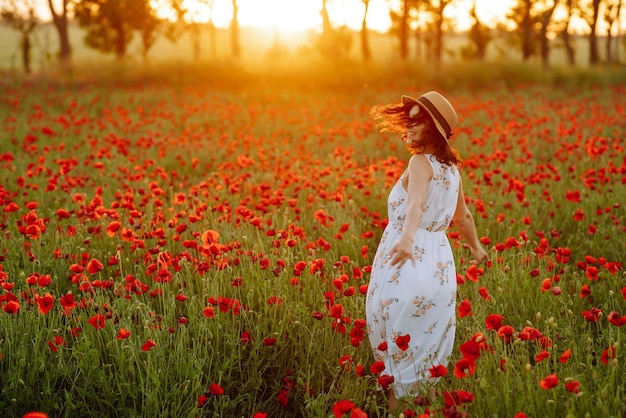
120, 40
213, 39
594, 57
527, 32
26, 47
544, 41
365, 46
565, 35
234, 32
569, 50
404, 31
609, 46
61, 24
438, 47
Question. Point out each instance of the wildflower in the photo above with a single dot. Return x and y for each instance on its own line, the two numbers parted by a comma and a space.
464, 309
94, 266
549, 382
147, 346
342, 407
385, 381
97, 321
616, 319
593, 315
377, 367
572, 386
494, 321
438, 371
123, 334
464, 368
567, 354
44, 303
402, 341
215, 389
608, 355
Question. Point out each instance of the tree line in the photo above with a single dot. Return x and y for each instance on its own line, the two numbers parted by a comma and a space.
110, 26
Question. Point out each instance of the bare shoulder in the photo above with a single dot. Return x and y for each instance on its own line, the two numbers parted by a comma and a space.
419, 166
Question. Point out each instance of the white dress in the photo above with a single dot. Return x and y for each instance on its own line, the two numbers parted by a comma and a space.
420, 300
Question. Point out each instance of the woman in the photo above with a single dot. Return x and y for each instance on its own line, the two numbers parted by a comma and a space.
410, 307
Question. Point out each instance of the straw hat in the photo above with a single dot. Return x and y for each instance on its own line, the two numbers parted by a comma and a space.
439, 109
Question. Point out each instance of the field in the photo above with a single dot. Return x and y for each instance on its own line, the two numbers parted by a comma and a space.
189, 249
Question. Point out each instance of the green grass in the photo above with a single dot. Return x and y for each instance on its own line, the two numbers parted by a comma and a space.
123, 146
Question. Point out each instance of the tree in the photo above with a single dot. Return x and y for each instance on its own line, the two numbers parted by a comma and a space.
234, 31
60, 20
365, 46
479, 34
543, 19
590, 12
110, 23
332, 43
23, 19
148, 27
611, 16
570, 6
521, 16
438, 21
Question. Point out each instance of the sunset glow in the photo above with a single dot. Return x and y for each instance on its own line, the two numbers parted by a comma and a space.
289, 16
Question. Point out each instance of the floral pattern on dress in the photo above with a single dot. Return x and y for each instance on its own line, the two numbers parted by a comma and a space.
417, 300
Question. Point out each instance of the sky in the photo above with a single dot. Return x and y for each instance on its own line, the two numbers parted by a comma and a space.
297, 15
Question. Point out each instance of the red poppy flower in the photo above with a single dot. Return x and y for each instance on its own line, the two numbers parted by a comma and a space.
112, 228
35, 414
385, 381
44, 303
382, 346
202, 400
494, 321
342, 407
506, 332
94, 266
572, 386
210, 237
377, 367
608, 355
438, 371
358, 413
123, 334
464, 309
549, 382
484, 293
269, 341
616, 319
593, 315
147, 346
542, 355
567, 354
402, 341
470, 350
584, 291
464, 368
592, 273
97, 321
215, 389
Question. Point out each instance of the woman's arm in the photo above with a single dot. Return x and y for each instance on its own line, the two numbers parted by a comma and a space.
464, 221
419, 174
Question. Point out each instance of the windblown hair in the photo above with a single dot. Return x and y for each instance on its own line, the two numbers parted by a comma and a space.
395, 118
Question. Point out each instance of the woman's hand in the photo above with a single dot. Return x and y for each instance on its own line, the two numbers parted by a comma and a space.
480, 255
401, 252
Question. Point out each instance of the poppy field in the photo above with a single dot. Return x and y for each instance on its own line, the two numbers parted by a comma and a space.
189, 251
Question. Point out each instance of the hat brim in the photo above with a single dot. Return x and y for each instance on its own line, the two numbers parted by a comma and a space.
408, 99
